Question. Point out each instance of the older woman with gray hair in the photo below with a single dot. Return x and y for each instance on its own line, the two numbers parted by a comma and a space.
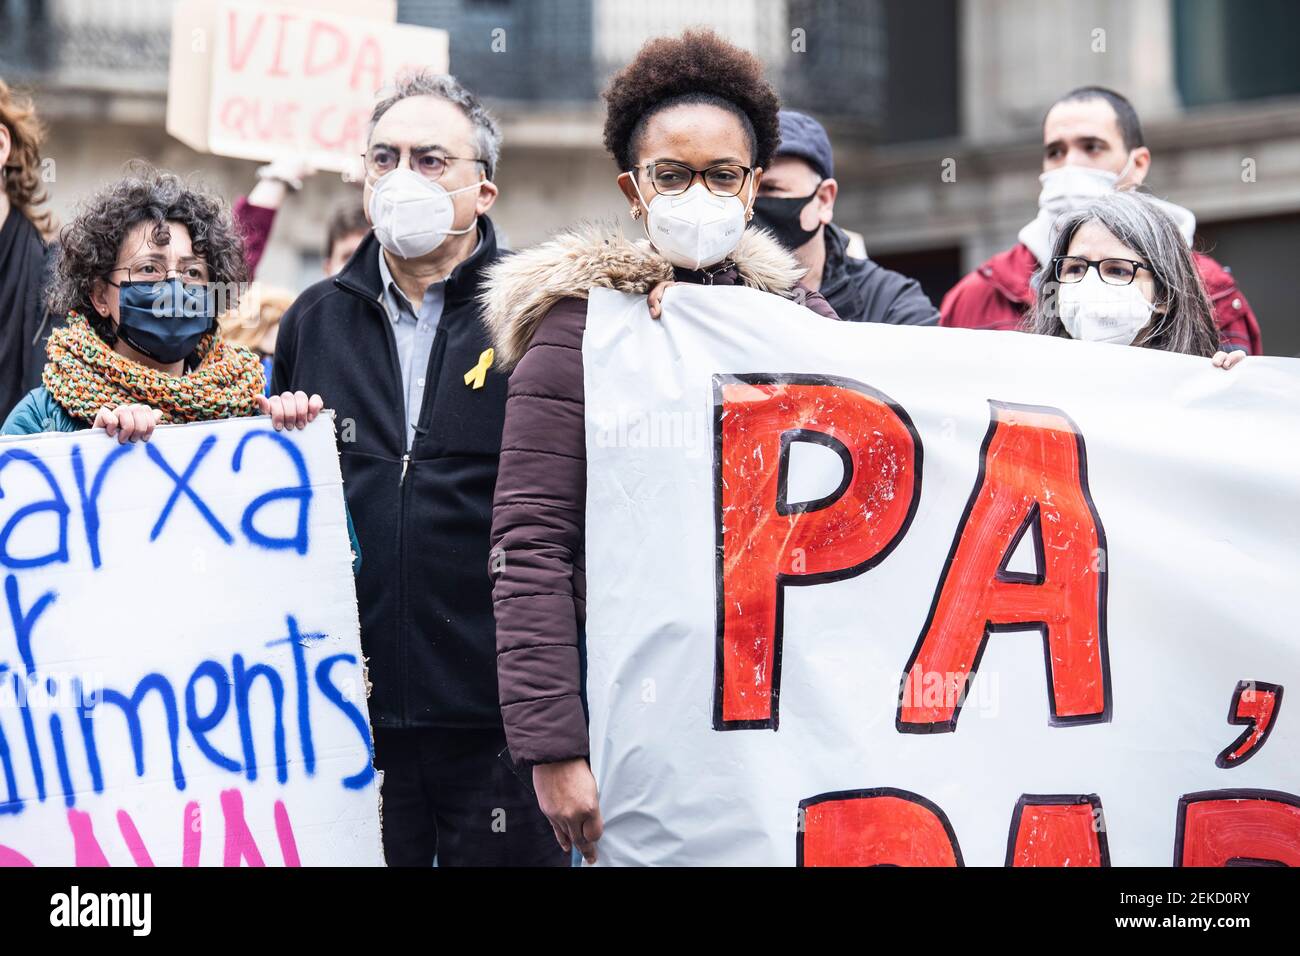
1121, 272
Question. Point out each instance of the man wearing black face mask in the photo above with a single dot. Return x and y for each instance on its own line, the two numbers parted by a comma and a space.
796, 202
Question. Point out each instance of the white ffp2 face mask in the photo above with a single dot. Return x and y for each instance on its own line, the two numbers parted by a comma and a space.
696, 229
1069, 187
1096, 311
413, 215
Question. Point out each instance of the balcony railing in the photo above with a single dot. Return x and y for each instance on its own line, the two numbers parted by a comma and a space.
824, 55
97, 43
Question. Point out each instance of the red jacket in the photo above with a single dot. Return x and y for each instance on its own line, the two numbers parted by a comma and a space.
997, 296
254, 223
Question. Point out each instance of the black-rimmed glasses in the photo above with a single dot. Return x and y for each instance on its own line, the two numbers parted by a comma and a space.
1069, 269
673, 179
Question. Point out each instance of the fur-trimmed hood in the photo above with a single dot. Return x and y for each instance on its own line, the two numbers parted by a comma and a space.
520, 289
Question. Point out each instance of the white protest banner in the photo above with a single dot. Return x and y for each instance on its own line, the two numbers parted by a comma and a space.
866, 594
264, 80
181, 680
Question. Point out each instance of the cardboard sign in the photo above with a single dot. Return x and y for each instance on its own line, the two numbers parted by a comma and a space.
181, 681
925, 596
260, 80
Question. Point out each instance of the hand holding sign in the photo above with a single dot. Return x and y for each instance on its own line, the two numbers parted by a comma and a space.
219, 719
987, 578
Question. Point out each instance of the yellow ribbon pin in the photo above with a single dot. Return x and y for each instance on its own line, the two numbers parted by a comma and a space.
475, 376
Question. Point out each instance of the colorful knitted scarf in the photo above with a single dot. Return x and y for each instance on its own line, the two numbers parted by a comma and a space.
84, 374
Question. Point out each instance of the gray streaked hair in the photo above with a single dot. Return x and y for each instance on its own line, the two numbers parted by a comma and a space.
487, 134
1134, 219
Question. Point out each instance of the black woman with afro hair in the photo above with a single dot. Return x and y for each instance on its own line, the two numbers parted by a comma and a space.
690, 123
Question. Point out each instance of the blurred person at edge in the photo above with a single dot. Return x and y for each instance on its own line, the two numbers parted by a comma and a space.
139, 273
395, 339
345, 231
796, 203
255, 324
692, 124
1092, 146
255, 215
25, 231
1120, 273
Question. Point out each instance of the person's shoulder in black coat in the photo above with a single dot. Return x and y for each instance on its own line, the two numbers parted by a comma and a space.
861, 290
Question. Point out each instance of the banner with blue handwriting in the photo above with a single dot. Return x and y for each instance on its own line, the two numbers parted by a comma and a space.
181, 680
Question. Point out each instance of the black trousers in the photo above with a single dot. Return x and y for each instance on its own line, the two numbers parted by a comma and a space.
447, 794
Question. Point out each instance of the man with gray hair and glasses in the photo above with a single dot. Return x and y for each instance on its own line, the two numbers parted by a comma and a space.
395, 340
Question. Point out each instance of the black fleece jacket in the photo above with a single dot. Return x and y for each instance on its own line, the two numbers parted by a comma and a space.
423, 516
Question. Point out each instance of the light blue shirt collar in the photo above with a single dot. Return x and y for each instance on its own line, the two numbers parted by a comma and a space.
395, 299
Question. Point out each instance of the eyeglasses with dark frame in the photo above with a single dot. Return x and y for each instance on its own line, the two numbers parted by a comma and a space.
1071, 269
428, 161
673, 179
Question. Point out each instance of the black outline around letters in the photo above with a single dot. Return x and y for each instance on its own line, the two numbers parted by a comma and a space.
1054, 719
867, 794
1222, 761
788, 438
1033, 523
1057, 800
1204, 796
776, 378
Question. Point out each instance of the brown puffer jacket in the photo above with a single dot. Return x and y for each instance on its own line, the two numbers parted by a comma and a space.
535, 304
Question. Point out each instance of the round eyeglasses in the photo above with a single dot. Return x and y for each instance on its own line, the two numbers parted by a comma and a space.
192, 272
381, 159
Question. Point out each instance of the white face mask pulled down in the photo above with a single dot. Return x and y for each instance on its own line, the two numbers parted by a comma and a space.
1064, 189
696, 229
1096, 311
1069, 187
412, 215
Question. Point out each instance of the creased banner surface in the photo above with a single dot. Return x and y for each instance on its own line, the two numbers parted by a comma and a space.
864, 594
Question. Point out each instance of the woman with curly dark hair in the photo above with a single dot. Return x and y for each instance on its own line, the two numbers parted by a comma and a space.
691, 123
25, 229
142, 274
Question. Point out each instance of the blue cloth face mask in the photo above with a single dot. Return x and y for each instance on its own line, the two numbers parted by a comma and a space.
164, 320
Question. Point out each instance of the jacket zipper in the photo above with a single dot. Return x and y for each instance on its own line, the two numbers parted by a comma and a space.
378, 303
439, 343
431, 383
432, 374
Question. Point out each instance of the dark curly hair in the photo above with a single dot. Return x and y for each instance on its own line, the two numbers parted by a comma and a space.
698, 67
89, 244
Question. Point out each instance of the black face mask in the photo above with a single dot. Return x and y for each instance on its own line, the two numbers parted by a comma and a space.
780, 216
164, 320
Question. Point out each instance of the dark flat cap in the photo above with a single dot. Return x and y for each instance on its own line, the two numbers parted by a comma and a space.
805, 138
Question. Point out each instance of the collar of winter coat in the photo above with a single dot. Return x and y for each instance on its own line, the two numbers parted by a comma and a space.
836, 273
520, 289
361, 273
